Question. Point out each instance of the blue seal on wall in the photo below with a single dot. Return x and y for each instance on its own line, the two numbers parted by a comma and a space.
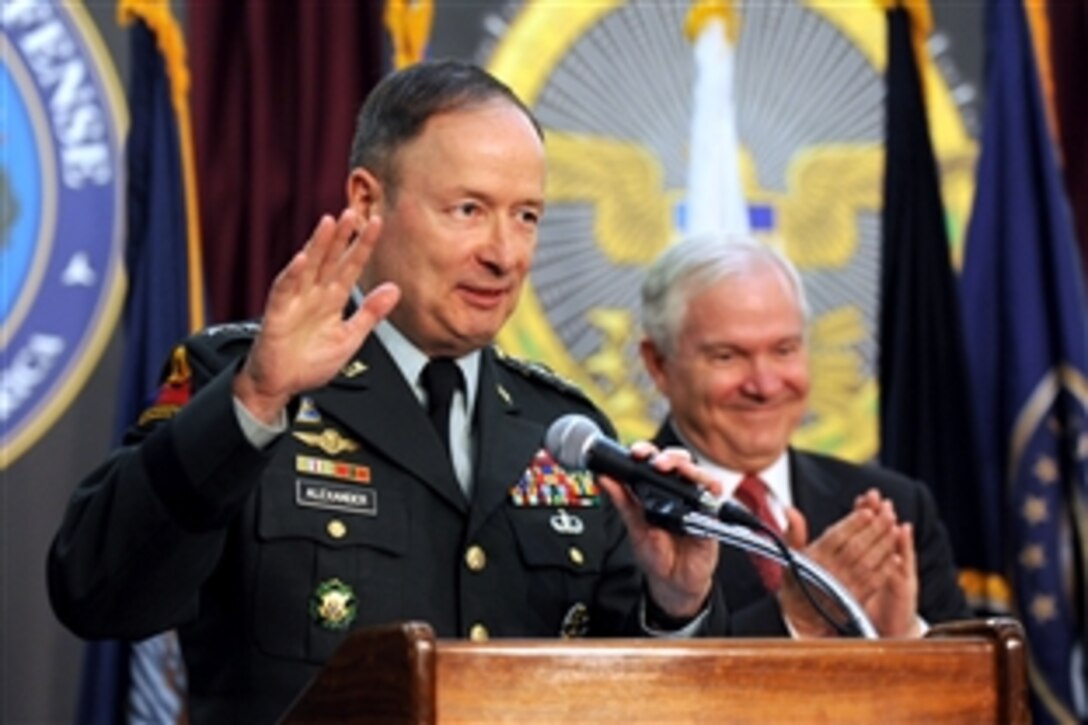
61, 206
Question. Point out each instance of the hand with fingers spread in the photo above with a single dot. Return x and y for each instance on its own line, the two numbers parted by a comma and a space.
305, 339
679, 569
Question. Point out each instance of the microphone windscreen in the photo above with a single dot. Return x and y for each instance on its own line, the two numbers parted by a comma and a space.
568, 438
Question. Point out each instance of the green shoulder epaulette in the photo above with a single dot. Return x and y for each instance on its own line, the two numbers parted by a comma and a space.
219, 343
249, 328
540, 372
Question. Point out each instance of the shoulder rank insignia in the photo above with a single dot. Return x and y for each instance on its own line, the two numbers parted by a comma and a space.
333, 604
539, 372
240, 329
329, 440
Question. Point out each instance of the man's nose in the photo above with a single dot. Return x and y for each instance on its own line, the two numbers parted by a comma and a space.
763, 378
499, 250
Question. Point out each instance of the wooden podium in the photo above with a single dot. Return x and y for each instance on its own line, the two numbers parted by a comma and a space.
964, 672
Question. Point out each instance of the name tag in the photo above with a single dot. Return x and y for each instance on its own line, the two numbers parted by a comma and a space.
336, 497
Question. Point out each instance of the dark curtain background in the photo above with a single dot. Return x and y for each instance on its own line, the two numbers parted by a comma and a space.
276, 86
1069, 63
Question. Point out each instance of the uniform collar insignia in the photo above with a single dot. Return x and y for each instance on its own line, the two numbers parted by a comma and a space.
354, 369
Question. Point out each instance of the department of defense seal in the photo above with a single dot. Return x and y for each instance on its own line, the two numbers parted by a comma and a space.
61, 206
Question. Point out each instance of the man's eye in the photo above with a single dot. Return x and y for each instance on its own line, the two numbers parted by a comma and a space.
467, 209
530, 217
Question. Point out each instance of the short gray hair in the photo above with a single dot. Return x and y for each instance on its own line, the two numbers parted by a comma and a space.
397, 109
693, 265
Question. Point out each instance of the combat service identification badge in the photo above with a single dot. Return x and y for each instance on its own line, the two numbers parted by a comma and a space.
333, 604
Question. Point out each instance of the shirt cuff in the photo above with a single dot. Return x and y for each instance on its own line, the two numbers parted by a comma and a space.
258, 433
687, 631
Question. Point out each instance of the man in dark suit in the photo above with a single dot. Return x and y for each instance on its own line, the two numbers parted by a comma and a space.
357, 459
725, 343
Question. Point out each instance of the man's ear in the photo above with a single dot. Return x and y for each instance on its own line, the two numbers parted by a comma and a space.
654, 361
365, 193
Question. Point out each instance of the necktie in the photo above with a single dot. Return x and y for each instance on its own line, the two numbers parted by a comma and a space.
752, 492
440, 378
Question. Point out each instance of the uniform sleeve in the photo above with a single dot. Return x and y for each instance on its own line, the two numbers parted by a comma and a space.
625, 584
145, 529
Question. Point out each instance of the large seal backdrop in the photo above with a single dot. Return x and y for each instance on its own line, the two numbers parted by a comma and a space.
62, 121
61, 201
613, 84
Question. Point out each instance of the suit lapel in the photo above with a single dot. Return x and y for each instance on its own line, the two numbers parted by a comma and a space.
371, 397
505, 441
816, 494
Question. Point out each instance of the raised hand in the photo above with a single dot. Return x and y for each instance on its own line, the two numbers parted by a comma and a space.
679, 569
304, 339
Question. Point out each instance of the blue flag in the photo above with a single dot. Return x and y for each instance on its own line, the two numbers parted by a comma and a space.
164, 304
1026, 328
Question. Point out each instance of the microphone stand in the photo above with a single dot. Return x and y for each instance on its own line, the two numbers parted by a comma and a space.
699, 524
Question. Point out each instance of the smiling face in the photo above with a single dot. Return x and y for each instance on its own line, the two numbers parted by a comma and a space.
460, 229
737, 381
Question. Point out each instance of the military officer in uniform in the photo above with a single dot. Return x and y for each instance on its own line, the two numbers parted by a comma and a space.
361, 457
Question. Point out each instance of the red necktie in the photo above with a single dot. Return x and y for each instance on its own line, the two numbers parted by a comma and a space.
752, 492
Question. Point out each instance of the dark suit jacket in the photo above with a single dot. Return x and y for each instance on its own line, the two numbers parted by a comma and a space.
824, 489
189, 527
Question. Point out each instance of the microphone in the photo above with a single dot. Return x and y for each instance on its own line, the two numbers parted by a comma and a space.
575, 441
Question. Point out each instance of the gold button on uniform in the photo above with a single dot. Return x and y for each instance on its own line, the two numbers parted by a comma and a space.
475, 558
336, 528
576, 556
478, 633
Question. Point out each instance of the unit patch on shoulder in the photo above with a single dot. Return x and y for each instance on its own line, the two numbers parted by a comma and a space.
175, 392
